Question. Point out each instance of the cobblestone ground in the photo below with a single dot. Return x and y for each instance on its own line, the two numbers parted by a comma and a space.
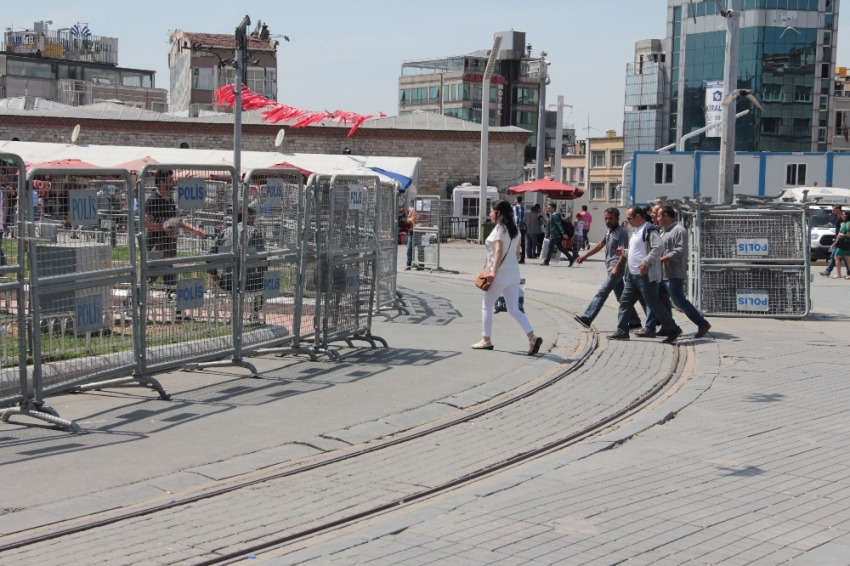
756, 471
616, 374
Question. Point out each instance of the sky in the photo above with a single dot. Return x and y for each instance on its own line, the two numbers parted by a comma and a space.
347, 55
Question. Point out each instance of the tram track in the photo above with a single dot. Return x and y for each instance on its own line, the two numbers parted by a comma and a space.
81, 525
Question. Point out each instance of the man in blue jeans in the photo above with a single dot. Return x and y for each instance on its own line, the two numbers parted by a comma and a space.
675, 270
615, 238
642, 276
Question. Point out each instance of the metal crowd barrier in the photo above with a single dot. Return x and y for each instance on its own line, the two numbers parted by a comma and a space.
750, 260
17, 394
190, 308
273, 293
426, 233
387, 296
343, 234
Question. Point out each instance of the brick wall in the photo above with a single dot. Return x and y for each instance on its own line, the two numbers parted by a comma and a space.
446, 156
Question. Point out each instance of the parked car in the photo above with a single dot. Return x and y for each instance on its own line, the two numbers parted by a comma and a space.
821, 220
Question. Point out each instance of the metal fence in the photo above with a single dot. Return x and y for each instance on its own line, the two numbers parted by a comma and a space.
426, 233
15, 386
180, 270
190, 307
750, 260
387, 296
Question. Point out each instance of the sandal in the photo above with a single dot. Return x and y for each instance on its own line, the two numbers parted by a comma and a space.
534, 347
482, 346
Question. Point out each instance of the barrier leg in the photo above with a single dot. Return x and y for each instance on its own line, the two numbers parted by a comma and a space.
237, 362
290, 351
41, 413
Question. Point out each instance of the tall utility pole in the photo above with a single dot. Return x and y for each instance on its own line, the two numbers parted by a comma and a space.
485, 131
239, 80
730, 83
541, 118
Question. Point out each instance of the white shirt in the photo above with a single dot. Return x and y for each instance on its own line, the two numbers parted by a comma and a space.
637, 251
509, 266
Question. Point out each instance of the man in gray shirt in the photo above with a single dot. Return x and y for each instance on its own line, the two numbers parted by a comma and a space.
674, 264
615, 237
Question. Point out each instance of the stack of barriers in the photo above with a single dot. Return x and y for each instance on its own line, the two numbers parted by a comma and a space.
342, 253
750, 259
387, 296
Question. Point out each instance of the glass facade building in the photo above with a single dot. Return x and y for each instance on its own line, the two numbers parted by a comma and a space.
644, 115
786, 57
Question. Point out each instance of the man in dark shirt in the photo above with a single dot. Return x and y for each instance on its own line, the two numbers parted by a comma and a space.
616, 237
163, 223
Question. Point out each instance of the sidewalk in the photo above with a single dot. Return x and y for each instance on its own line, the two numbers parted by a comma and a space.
754, 470
220, 424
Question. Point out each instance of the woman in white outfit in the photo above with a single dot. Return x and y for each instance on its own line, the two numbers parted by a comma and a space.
503, 255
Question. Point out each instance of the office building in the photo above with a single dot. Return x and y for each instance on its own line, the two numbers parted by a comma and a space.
452, 86
841, 135
196, 73
786, 58
646, 78
73, 67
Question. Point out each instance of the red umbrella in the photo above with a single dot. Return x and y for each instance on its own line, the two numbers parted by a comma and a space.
63, 164
549, 187
137, 165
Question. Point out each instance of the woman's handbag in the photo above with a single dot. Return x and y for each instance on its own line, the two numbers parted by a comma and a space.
842, 244
481, 280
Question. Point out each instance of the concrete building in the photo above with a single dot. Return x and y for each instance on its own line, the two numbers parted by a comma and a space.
196, 73
787, 51
73, 67
646, 79
841, 135
450, 149
452, 86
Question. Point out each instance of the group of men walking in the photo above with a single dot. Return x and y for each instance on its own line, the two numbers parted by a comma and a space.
647, 266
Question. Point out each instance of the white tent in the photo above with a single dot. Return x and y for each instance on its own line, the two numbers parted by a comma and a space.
111, 155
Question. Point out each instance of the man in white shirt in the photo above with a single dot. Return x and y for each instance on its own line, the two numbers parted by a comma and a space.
642, 277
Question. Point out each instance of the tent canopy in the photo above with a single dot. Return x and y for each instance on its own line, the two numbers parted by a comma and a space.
62, 164
404, 181
137, 165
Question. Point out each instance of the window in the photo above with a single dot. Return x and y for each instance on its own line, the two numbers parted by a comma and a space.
597, 159
614, 190
262, 81
663, 173
801, 126
530, 96
616, 158
802, 93
770, 125
434, 94
469, 206
795, 174
597, 191
736, 175
202, 79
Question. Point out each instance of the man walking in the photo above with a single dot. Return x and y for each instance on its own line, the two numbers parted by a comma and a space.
558, 230
584, 216
644, 273
839, 220
615, 238
519, 220
533, 231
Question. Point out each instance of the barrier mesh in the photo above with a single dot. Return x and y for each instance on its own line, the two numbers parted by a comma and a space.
12, 299
784, 289
784, 232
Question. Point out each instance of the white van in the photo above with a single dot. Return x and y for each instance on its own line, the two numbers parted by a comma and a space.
822, 222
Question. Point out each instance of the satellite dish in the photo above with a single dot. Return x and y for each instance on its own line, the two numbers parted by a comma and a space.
75, 134
278, 141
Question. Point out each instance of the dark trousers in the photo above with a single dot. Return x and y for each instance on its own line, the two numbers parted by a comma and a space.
559, 245
531, 245
522, 245
640, 284
168, 247
610, 284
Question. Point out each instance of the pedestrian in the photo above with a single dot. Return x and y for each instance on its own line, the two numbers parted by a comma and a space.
644, 273
503, 255
519, 219
616, 237
226, 278
674, 264
560, 236
842, 247
411, 224
585, 217
163, 223
839, 220
578, 239
534, 231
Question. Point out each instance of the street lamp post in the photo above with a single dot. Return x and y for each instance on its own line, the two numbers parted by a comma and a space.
730, 83
541, 118
485, 131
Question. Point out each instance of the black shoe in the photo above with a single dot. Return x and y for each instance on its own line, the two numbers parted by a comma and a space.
583, 320
536, 346
702, 330
572, 261
618, 336
635, 325
672, 335
521, 261
663, 332
546, 263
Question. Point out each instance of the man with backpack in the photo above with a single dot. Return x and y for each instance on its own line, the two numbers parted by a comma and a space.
560, 235
642, 276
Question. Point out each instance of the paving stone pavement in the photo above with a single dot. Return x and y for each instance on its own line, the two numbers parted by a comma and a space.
616, 374
755, 471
